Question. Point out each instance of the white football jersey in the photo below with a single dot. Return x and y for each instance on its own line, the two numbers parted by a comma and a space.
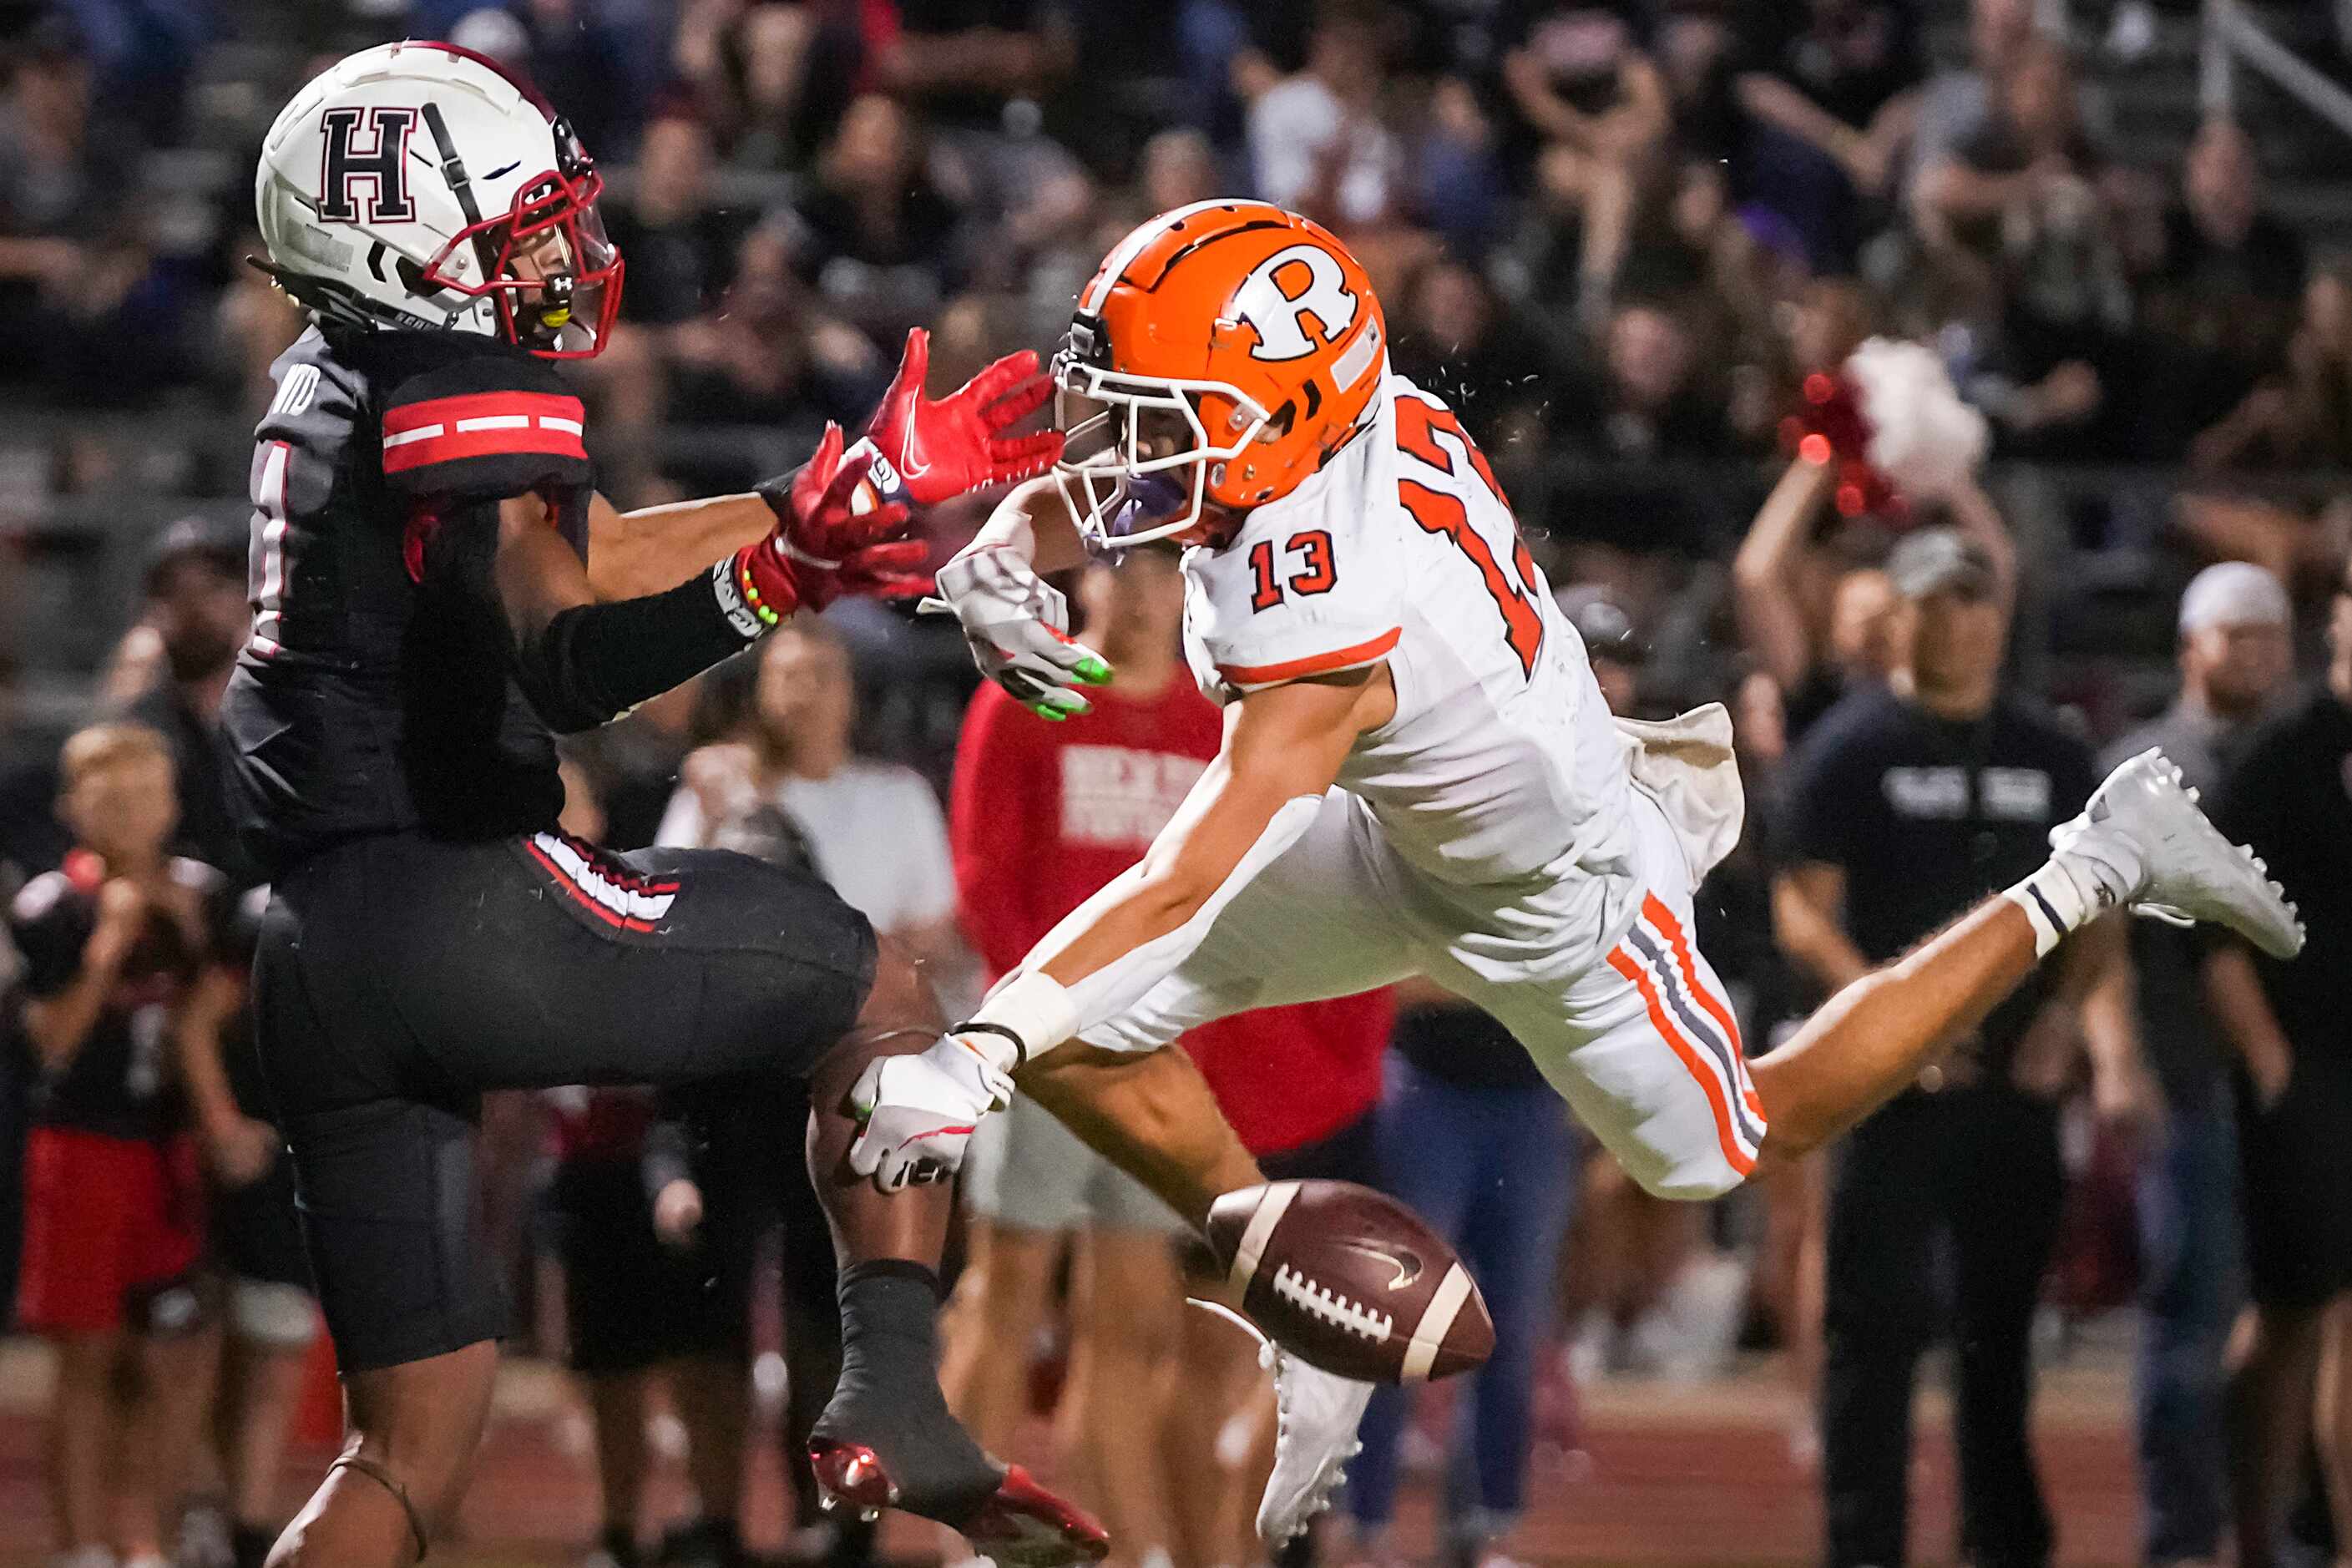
1502, 760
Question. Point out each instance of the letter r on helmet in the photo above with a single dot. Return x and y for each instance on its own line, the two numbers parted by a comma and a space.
1278, 315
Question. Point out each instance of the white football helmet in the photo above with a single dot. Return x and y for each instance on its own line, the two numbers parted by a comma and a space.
418, 186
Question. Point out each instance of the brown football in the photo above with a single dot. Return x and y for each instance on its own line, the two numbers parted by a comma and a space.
1350, 1280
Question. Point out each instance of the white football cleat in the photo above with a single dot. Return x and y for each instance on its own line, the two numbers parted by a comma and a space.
1316, 1416
2144, 829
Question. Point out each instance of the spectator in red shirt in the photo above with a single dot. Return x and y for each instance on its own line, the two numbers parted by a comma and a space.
1043, 816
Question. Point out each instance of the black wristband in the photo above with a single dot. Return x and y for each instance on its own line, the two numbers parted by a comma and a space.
1020, 1046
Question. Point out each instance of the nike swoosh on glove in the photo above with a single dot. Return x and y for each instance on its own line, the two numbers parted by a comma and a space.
1017, 625
918, 1112
940, 449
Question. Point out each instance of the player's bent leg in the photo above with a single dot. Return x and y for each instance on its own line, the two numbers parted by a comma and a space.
887, 1438
1642, 1042
395, 1486
2142, 842
1864, 1044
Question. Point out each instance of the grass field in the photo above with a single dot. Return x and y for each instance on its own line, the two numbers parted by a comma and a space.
1668, 1476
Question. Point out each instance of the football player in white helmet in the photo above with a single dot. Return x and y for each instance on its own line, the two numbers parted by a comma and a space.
469, 206
437, 589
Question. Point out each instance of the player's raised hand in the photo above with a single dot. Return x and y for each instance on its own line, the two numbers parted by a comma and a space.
833, 539
1019, 629
935, 451
918, 1112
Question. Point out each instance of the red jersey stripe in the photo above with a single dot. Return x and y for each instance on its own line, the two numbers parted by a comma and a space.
1312, 664
428, 445
447, 410
481, 425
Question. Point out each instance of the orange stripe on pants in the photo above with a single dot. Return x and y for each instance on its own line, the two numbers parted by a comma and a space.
1663, 919
1624, 964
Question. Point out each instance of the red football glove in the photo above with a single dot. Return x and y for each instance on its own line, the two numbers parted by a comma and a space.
823, 549
930, 452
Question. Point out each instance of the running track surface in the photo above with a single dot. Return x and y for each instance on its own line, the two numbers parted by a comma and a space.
1697, 1475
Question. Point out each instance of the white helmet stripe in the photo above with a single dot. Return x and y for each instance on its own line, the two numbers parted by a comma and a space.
1132, 247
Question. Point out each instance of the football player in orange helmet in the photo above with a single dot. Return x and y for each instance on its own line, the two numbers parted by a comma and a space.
1220, 357
1418, 777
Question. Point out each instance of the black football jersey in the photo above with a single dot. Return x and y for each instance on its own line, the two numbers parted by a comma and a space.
119, 1082
376, 694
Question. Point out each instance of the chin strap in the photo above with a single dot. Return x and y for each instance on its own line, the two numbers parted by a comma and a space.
360, 1465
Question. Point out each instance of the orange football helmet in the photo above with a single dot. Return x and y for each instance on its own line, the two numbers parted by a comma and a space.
1229, 338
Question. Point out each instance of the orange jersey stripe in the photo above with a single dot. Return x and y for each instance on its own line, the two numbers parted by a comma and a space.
1663, 919
1312, 664
1736, 1157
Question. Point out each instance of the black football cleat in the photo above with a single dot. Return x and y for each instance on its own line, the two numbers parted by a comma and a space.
1019, 1524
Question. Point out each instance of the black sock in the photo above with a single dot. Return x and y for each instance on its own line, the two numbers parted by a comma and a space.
889, 1321
889, 1395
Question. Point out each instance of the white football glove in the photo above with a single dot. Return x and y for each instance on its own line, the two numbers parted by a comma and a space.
1019, 629
918, 1111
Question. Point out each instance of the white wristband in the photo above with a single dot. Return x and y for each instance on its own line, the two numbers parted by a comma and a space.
2055, 902
1034, 1007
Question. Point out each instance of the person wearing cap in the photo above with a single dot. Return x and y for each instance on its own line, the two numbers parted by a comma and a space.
195, 605
2289, 796
196, 611
2236, 659
1905, 804
1616, 651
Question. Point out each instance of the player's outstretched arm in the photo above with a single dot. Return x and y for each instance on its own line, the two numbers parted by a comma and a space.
583, 663
918, 451
1284, 748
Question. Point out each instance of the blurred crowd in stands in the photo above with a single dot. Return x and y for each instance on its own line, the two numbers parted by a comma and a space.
1634, 242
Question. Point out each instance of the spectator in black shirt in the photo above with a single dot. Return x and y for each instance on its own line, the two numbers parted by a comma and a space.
2290, 797
680, 243
197, 603
84, 311
1905, 805
2029, 195
2219, 302
1453, 338
111, 942
1827, 86
2236, 656
969, 62
877, 237
772, 354
1592, 113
